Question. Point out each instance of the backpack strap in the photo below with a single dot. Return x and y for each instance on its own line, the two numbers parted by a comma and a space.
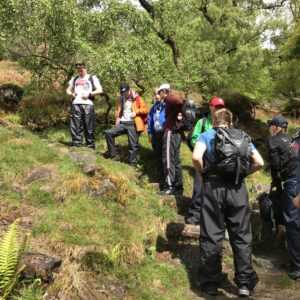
137, 100
203, 125
75, 78
91, 79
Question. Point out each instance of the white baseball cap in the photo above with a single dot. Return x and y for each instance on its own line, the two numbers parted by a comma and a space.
164, 86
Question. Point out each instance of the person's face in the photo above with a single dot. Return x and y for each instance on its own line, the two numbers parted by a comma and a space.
130, 94
80, 68
272, 130
163, 94
157, 97
214, 108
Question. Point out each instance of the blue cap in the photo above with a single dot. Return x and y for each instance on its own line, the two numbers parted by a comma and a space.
278, 121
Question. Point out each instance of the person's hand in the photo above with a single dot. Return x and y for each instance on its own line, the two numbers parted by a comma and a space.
133, 115
85, 97
179, 116
72, 95
296, 201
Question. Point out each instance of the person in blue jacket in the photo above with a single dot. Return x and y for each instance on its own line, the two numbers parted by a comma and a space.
156, 128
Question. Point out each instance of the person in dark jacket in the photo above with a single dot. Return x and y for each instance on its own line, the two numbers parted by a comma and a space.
297, 198
283, 164
156, 129
171, 145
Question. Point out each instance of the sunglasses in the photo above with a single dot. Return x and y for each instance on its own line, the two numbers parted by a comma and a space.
79, 65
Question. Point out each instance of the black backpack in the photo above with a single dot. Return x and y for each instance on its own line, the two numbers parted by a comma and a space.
189, 115
190, 134
230, 155
91, 80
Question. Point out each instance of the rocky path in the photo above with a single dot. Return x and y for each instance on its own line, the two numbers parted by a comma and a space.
270, 258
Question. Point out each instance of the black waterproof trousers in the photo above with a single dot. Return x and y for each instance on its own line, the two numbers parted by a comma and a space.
291, 216
83, 120
225, 203
128, 128
171, 160
194, 207
157, 146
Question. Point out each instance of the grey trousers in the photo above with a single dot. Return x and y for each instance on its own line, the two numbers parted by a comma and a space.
133, 140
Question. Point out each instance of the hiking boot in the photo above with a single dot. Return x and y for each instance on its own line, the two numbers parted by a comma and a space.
115, 158
244, 291
295, 276
192, 221
211, 290
179, 191
106, 154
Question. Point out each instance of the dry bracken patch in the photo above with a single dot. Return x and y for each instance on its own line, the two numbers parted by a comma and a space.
69, 185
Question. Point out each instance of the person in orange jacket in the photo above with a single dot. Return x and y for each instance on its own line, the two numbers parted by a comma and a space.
129, 121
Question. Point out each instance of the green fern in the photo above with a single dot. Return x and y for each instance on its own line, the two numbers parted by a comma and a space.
10, 253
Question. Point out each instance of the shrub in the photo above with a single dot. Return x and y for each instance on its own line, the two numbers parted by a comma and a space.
42, 110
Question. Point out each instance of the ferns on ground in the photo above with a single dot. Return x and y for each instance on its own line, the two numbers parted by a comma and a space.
10, 253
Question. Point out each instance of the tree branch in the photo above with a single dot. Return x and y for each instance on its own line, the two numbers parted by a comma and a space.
172, 43
203, 9
166, 38
272, 6
109, 106
148, 7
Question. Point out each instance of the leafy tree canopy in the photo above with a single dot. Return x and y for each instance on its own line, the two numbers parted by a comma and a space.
205, 46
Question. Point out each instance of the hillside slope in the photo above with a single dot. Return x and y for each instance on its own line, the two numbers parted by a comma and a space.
117, 238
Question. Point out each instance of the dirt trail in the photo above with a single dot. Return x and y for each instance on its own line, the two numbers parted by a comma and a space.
270, 259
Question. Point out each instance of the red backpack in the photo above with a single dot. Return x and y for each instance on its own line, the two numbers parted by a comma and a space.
144, 117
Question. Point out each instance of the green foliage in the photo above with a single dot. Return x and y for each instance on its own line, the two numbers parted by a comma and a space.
20, 150
10, 252
157, 281
39, 197
218, 43
31, 292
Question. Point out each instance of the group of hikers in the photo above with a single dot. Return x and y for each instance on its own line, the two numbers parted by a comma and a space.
222, 156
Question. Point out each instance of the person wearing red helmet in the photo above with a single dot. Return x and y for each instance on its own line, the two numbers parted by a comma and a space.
204, 124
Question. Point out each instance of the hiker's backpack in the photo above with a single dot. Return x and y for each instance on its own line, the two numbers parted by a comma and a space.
144, 117
270, 207
190, 134
230, 154
91, 80
295, 144
189, 115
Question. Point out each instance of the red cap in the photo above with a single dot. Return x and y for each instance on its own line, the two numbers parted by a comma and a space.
217, 101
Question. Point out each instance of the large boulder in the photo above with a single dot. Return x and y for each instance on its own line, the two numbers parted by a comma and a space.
10, 96
39, 265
